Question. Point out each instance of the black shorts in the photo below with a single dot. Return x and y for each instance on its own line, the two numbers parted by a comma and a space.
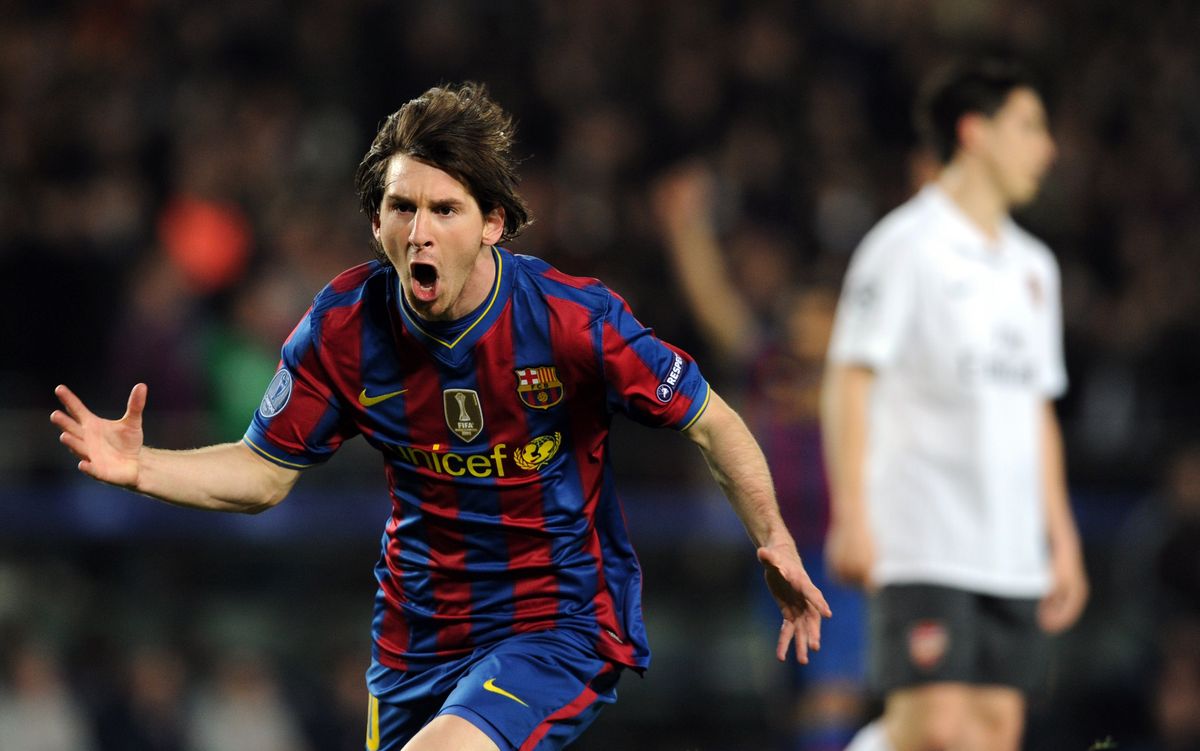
924, 633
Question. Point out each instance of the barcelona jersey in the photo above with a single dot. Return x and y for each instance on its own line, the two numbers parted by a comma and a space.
494, 432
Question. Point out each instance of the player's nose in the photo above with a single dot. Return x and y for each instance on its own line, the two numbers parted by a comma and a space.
1051, 150
420, 231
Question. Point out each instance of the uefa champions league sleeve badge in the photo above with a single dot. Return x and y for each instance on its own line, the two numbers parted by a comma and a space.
278, 393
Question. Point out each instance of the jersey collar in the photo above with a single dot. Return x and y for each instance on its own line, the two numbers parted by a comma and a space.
967, 238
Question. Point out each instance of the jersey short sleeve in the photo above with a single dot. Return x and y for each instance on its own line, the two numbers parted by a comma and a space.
299, 421
1054, 373
877, 304
653, 382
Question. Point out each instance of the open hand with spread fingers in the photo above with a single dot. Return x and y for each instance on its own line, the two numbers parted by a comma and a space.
801, 603
108, 450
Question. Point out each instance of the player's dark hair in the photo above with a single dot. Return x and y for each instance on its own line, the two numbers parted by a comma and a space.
461, 131
962, 88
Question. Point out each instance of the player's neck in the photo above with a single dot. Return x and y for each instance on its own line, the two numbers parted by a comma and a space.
479, 284
976, 195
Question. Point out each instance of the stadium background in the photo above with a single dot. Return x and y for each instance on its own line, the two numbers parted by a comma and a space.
175, 184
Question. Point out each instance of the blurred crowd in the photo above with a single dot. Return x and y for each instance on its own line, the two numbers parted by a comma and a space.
176, 184
175, 178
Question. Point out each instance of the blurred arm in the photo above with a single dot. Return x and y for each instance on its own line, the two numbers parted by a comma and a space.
845, 401
738, 465
683, 204
226, 477
1068, 594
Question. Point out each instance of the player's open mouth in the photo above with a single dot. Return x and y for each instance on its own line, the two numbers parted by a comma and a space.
424, 281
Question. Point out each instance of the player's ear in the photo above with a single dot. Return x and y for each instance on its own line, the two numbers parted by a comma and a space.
375, 226
971, 129
493, 226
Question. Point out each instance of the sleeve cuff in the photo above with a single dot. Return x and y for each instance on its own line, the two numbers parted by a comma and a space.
274, 455
696, 409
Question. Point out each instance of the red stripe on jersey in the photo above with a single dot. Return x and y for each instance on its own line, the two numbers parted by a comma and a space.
574, 709
393, 631
351, 278
632, 368
578, 282
639, 380
343, 363
522, 516
450, 583
309, 402
589, 422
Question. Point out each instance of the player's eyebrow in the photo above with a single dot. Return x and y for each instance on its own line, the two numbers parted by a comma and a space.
394, 196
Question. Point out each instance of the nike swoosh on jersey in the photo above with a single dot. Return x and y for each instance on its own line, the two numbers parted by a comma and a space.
371, 401
490, 685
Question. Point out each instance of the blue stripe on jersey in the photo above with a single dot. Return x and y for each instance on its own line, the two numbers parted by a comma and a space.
620, 563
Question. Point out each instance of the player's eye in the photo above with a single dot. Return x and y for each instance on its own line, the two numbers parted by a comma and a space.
402, 207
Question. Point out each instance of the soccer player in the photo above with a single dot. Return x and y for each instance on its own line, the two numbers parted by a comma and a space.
950, 498
509, 595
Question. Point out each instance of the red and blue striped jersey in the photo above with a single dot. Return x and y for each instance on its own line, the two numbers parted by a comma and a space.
495, 439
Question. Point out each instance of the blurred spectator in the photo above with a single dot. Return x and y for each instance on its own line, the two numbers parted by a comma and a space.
37, 711
146, 713
1177, 621
1177, 692
154, 337
241, 348
242, 708
341, 724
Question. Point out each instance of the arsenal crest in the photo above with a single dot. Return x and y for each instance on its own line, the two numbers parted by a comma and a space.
928, 642
539, 387
464, 414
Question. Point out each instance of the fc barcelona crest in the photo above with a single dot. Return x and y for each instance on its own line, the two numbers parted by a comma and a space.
539, 386
464, 413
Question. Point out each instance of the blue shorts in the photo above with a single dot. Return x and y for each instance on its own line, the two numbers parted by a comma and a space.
530, 691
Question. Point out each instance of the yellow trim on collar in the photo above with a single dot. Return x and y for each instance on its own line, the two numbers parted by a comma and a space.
483, 314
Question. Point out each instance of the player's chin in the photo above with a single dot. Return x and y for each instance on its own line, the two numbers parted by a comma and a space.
1024, 192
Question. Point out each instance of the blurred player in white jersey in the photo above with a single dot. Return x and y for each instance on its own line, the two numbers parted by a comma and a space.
949, 492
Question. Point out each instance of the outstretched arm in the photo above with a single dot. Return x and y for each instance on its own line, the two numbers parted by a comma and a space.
226, 477
740, 469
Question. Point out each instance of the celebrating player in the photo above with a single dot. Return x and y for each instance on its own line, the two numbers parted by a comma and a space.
509, 595
944, 448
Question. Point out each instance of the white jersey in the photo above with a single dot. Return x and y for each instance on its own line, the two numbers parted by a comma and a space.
964, 334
